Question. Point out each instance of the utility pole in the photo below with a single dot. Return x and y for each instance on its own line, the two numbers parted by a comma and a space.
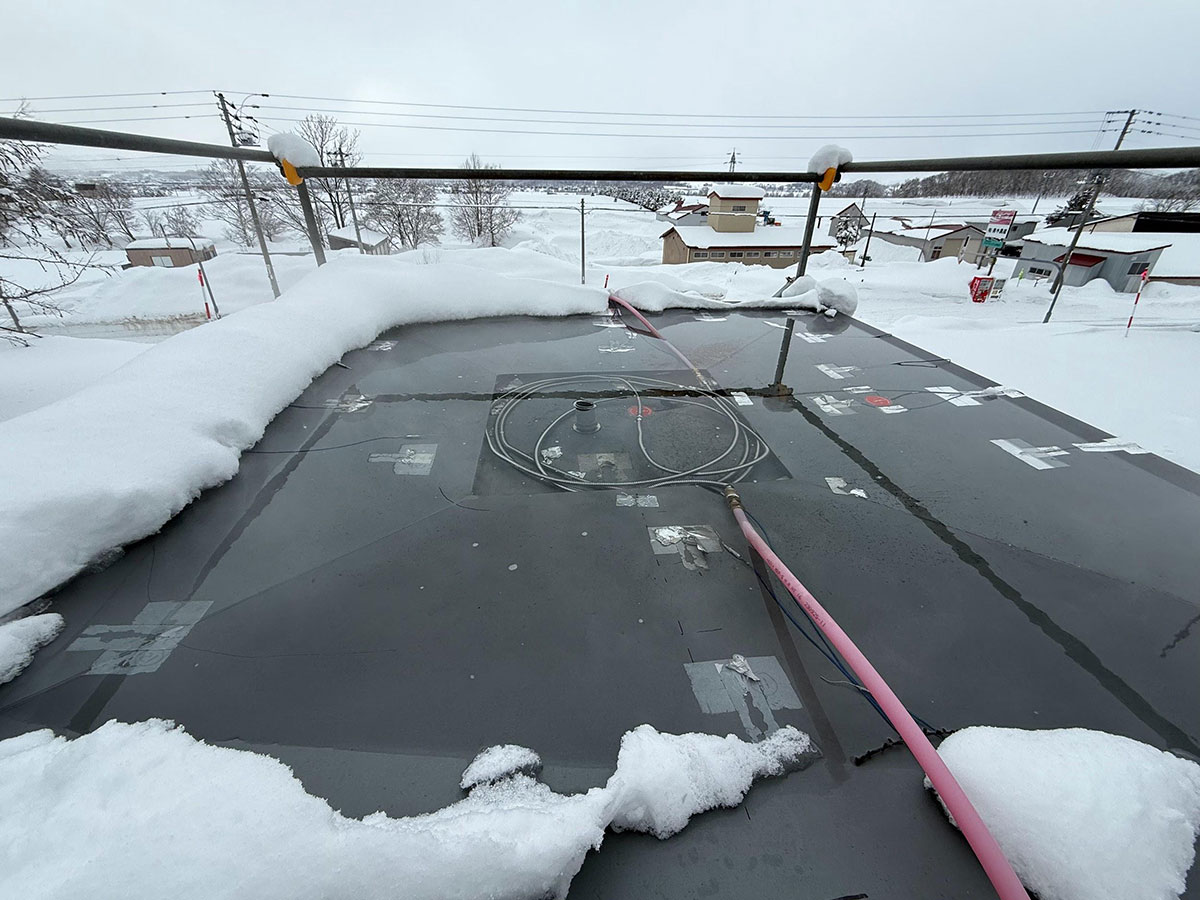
262, 241
733, 159
1041, 190
1125, 128
350, 195
867, 248
1098, 180
582, 248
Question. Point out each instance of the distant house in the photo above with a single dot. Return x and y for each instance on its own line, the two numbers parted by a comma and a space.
851, 213
1119, 258
374, 243
1021, 226
685, 213
1148, 222
775, 247
1179, 263
729, 233
935, 240
733, 207
169, 251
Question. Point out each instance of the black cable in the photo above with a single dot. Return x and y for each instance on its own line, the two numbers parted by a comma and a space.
335, 446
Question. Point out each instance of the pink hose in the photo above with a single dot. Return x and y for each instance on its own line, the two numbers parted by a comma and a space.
997, 867
654, 331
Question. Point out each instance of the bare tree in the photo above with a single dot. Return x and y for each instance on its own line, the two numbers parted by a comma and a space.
221, 187
1183, 202
30, 206
336, 145
404, 210
479, 208
180, 221
103, 213
154, 221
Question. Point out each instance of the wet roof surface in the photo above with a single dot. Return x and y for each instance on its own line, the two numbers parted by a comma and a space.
376, 597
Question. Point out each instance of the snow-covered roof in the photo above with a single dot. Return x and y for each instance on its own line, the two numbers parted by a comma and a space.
369, 238
1105, 241
737, 192
701, 237
694, 208
168, 243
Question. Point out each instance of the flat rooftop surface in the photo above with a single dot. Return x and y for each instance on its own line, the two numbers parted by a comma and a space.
377, 596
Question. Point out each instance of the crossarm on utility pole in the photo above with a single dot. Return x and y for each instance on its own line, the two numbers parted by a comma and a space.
241, 167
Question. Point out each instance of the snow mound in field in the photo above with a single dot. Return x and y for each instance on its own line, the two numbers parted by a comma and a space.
1082, 815
21, 638
132, 805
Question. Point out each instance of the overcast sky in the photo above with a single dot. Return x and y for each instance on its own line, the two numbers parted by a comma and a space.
688, 64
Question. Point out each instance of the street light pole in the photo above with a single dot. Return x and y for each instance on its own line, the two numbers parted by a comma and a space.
262, 241
350, 196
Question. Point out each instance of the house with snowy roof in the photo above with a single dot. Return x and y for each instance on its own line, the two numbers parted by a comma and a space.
373, 243
731, 233
936, 239
1118, 257
169, 252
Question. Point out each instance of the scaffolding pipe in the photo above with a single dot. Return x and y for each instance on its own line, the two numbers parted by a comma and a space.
801, 266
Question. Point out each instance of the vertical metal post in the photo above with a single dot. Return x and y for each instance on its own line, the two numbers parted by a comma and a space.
582, 247
310, 222
350, 197
241, 167
809, 224
1062, 271
870, 233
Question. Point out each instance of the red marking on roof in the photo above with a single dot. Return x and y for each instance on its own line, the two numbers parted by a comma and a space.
876, 400
1082, 259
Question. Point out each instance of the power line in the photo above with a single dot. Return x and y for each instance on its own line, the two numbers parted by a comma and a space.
412, 115
108, 108
103, 96
577, 112
714, 137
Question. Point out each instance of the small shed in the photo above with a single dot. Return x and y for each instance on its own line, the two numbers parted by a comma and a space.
169, 252
1119, 258
373, 243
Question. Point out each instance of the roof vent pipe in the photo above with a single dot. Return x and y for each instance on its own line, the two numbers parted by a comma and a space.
585, 417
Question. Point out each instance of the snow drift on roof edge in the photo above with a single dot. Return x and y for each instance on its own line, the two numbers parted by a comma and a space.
116, 462
1082, 815
131, 805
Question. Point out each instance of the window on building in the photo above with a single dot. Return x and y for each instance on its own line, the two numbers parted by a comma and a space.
739, 207
1137, 268
767, 254
751, 253
718, 254
162, 261
1040, 271
786, 254
700, 254
937, 251
736, 254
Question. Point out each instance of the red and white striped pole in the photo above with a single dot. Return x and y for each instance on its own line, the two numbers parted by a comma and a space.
1136, 298
200, 276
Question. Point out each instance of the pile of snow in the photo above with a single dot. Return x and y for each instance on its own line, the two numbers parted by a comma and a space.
1082, 815
21, 638
831, 156
499, 762
295, 149
131, 806
54, 367
831, 297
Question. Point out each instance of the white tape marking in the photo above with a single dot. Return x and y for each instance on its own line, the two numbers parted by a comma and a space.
741, 398
813, 338
1112, 445
838, 486
832, 406
1037, 457
837, 372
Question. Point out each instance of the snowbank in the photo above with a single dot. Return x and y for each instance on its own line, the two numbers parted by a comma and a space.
130, 806
54, 367
1082, 815
295, 149
19, 639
